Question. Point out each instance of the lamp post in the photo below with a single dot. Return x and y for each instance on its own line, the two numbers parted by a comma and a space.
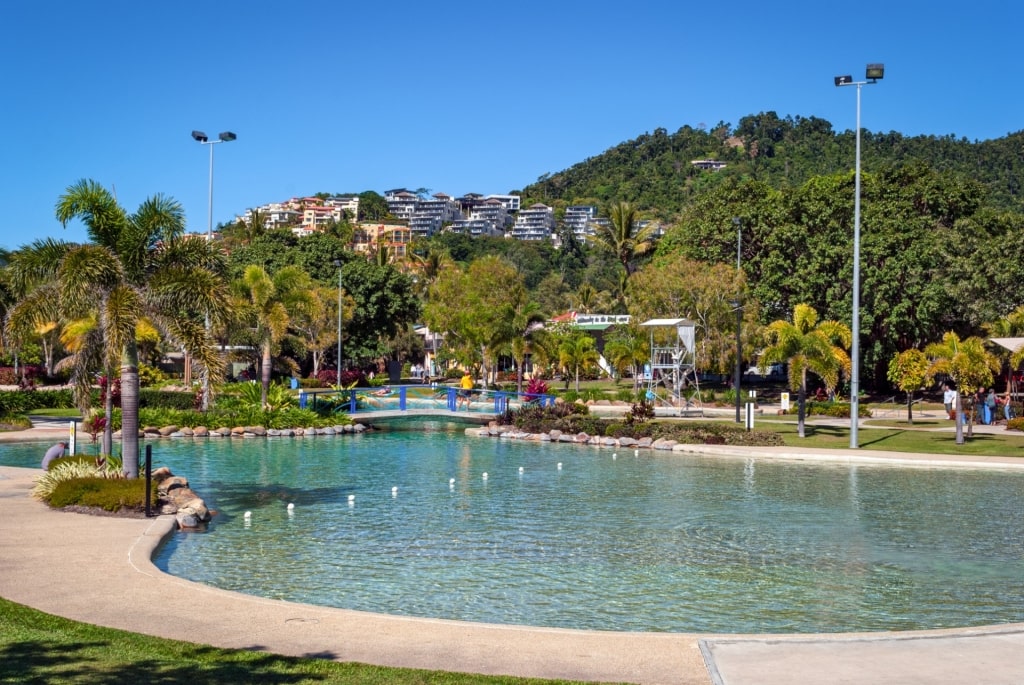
873, 74
739, 351
337, 263
739, 315
202, 139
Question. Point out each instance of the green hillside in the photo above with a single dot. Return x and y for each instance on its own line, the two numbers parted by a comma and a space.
655, 172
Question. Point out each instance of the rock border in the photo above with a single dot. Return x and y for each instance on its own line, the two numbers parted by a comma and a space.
172, 431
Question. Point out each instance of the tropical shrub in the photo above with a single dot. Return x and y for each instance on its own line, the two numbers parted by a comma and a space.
104, 493
17, 402
166, 399
73, 468
536, 386
150, 376
839, 410
30, 372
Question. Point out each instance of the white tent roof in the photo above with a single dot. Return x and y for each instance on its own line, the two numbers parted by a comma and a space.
1012, 344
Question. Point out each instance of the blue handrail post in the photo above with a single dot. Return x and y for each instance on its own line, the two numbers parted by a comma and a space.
401, 398
452, 399
352, 401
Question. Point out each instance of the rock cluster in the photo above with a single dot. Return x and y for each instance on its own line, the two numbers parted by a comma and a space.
179, 499
495, 430
153, 432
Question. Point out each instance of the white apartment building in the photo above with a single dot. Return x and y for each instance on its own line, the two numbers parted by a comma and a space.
426, 216
476, 227
511, 202
534, 223
578, 218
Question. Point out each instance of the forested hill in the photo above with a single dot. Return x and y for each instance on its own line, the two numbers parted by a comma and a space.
655, 172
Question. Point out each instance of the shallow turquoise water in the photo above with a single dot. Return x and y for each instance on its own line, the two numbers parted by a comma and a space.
659, 542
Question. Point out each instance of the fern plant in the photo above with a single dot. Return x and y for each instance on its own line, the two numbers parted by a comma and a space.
71, 469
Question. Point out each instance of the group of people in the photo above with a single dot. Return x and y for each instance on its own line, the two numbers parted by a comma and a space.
419, 373
988, 405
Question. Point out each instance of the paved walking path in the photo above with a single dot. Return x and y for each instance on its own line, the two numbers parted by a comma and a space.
98, 570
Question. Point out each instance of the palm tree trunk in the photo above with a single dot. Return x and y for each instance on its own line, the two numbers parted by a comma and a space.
801, 405
130, 409
108, 413
265, 374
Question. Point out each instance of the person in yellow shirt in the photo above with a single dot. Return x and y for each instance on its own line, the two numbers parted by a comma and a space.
465, 391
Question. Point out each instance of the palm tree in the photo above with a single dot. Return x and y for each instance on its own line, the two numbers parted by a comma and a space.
809, 346
267, 304
628, 350
519, 323
577, 353
623, 237
1010, 326
968, 363
136, 266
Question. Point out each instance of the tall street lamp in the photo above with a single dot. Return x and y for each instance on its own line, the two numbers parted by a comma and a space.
873, 74
202, 139
337, 263
739, 314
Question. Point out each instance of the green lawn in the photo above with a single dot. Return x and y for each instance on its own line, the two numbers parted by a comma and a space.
40, 648
902, 440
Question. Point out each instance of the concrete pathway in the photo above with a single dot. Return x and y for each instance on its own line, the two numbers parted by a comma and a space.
98, 570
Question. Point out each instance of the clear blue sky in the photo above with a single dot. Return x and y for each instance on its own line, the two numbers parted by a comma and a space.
456, 97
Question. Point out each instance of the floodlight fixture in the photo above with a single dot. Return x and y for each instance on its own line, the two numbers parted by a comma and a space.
199, 136
875, 72
228, 136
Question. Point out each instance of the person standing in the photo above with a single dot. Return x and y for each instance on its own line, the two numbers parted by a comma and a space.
949, 399
465, 390
55, 452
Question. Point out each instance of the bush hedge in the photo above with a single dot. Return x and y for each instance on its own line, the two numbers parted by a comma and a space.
22, 402
166, 399
571, 418
104, 493
839, 410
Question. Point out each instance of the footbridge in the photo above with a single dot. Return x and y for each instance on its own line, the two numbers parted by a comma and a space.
424, 402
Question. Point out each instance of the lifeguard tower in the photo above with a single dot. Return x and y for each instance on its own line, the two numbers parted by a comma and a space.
673, 366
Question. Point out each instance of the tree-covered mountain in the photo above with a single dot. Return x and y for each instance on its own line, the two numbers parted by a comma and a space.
655, 170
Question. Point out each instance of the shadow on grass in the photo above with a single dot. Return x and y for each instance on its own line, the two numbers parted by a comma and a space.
42, 661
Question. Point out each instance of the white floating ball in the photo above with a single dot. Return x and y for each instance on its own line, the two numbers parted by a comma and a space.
394, 491
351, 498
559, 466
520, 469
485, 475
247, 515
291, 506
636, 453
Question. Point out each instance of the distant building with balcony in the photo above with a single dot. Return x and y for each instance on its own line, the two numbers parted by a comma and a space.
578, 218
534, 223
426, 216
475, 228
369, 236
512, 202
708, 164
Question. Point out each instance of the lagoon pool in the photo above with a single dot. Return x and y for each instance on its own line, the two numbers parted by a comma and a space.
594, 538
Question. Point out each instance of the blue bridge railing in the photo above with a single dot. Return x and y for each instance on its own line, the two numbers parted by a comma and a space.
421, 397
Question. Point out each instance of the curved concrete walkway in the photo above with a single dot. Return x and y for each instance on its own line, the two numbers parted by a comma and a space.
98, 570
